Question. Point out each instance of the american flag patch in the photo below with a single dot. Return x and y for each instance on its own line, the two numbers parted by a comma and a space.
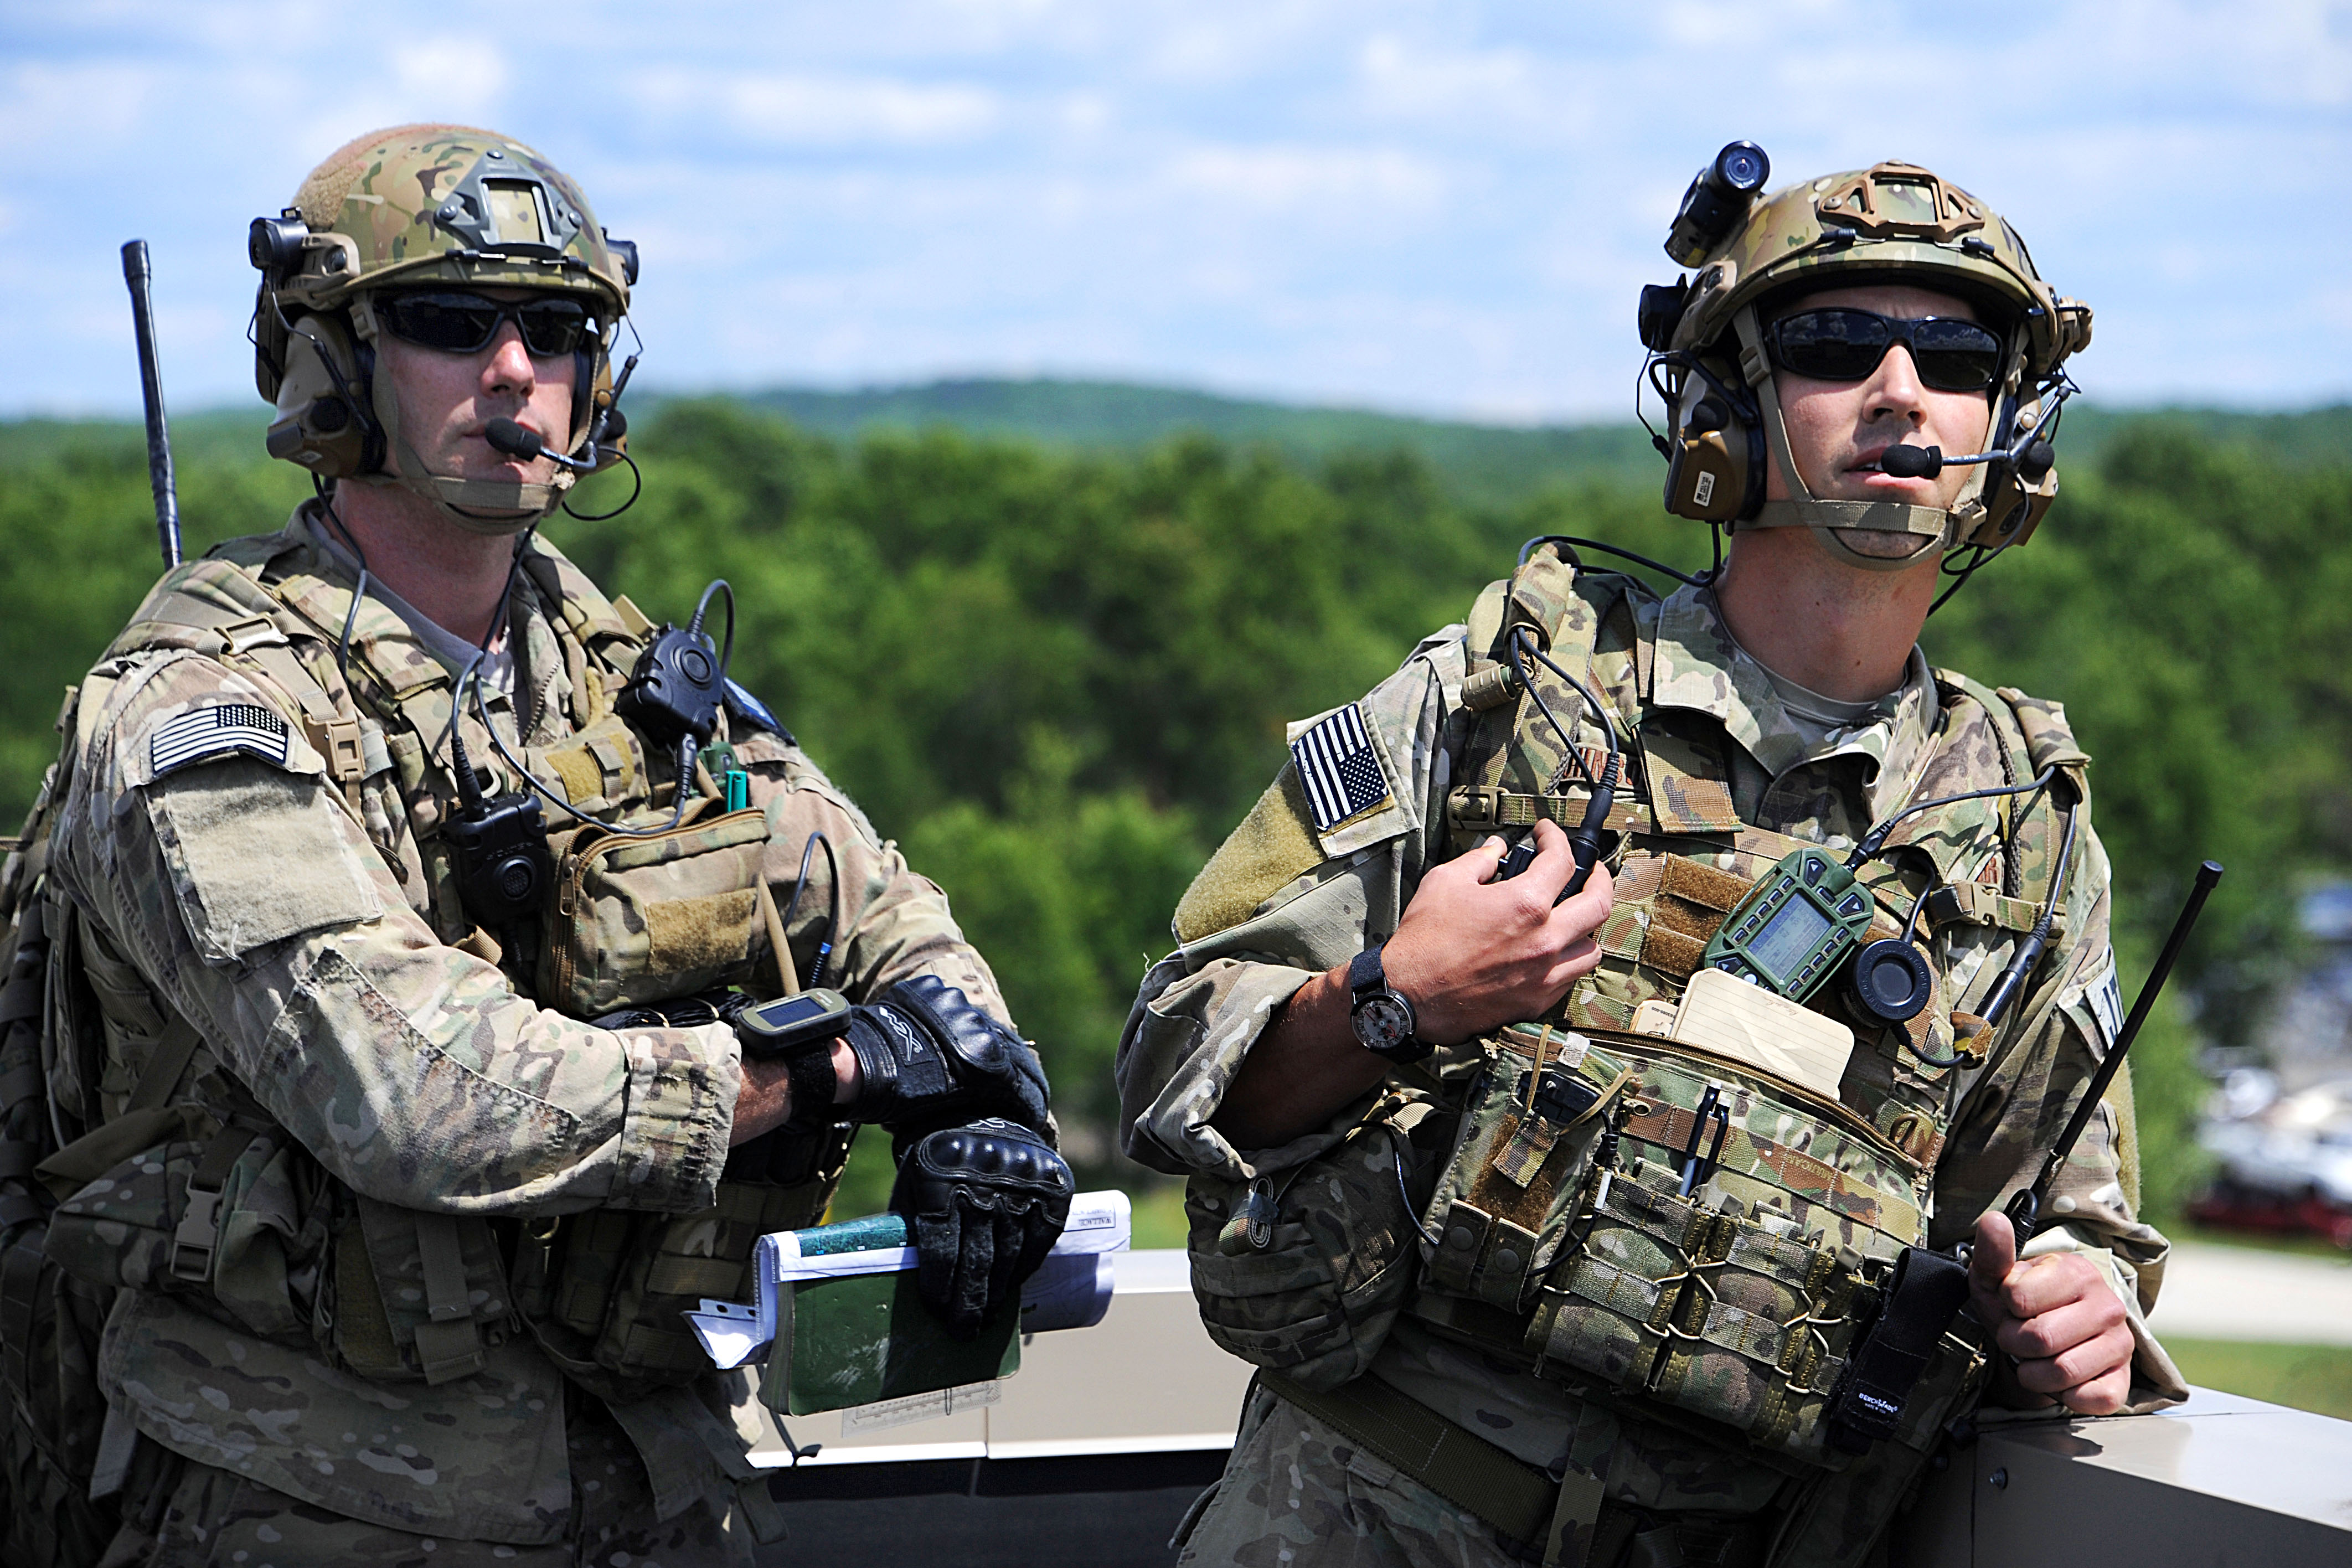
1338, 769
2106, 1000
203, 733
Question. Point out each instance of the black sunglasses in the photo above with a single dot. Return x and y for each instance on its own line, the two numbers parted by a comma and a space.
465, 323
1840, 343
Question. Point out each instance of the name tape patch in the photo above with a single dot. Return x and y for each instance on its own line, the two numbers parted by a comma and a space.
200, 734
1338, 769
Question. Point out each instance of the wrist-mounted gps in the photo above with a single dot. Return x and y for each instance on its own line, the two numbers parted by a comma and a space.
799, 1031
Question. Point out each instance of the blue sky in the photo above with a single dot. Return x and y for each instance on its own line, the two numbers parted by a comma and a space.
1442, 208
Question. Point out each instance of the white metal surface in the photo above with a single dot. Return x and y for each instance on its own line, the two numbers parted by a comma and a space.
1145, 1380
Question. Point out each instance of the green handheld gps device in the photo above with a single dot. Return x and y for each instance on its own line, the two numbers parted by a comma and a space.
1795, 927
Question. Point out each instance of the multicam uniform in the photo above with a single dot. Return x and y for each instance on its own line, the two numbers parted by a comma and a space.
447, 1210
1723, 781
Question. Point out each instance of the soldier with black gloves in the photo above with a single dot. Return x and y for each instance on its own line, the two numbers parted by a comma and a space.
408, 890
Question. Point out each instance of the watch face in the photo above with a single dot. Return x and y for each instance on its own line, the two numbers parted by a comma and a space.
1384, 1022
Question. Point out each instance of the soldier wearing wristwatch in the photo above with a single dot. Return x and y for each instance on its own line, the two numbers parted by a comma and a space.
1383, 1015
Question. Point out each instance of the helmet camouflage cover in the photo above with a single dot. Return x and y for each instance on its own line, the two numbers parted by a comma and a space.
419, 206
1894, 223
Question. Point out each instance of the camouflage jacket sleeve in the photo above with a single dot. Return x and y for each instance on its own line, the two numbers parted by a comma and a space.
244, 888
2013, 1109
895, 923
1279, 903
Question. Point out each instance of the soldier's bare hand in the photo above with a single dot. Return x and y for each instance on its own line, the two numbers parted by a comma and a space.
1473, 954
2057, 1316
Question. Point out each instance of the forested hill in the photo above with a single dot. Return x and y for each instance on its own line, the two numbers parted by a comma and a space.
1052, 652
1479, 465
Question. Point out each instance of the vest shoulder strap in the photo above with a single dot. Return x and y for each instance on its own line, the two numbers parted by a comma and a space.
602, 627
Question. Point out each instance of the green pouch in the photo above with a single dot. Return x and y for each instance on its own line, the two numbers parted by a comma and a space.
1305, 1272
419, 1296
676, 1260
1509, 1195
639, 919
234, 1222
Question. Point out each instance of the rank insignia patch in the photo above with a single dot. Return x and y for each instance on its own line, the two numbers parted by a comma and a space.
200, 734
1338, 769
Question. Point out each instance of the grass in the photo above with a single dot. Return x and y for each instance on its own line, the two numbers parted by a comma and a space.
2317, 1378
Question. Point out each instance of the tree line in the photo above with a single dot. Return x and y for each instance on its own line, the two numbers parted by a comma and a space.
1058, 677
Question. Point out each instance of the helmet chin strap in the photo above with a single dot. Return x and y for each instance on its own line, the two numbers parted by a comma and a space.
493, 507
1936, 527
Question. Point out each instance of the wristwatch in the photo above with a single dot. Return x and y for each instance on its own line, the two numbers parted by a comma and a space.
1382, 1015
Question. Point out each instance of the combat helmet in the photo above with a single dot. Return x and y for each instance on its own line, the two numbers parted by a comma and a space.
410, 207
1891, 223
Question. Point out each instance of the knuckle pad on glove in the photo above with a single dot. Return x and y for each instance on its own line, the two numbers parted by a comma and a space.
986, 1202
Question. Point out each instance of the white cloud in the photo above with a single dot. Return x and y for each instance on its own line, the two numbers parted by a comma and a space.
799, 109
1387, 202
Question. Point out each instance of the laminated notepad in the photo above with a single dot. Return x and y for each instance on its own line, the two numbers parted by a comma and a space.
837, 1320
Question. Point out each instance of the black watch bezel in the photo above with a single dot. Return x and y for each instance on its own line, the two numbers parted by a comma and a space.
1382, 1015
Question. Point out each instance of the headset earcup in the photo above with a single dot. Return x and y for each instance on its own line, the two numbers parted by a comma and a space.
318, 425
1710, 472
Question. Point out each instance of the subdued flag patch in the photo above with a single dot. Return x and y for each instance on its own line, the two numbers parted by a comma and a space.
1338, 769
221, 730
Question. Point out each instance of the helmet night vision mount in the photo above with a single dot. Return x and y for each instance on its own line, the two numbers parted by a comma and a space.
1754, 255
416, 207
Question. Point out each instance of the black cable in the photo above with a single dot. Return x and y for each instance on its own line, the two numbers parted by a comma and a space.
1874, 841
1522, 649
351, 616
702, 608
2029, 951
1584, 839
685, 744
1397, 1150
1982, 556
686, 775
833, 917
1529, 548
637, 488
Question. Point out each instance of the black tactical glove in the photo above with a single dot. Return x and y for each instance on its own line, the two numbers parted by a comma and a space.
931, 1059
986, 1202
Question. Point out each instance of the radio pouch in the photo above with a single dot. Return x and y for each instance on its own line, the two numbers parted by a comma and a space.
607, 1292
1924, 1296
